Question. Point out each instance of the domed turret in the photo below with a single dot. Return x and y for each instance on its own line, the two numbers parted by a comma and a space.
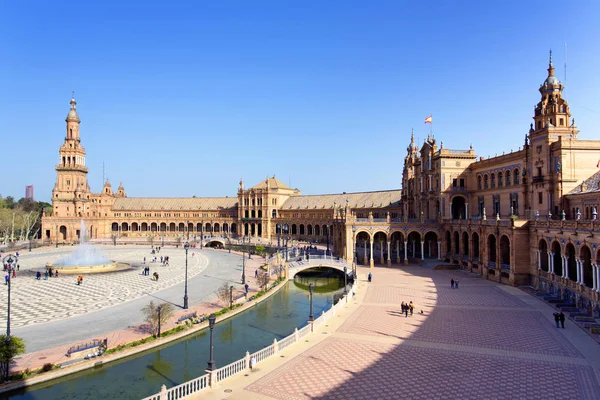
72, 116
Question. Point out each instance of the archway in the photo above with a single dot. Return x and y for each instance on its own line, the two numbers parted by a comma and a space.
458, 207
505, 252
543, 249
465, 240
309, 230
363, 254
448, 244
492, 251
571, 262
225, 228
63, 232
557, 258
414, 245
144, 226
380, 247
294, 229
301, 229
588, 272
114, 227
124, 227
246, 229
135, 227
171, 227
216, 228
153, 227
253, 229
181, 227
317, 230
233, 228
397, 246
456, 244
431, 247
475, 239
190, 227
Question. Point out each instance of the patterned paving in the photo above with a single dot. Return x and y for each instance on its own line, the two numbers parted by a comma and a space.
35, 302
477, 342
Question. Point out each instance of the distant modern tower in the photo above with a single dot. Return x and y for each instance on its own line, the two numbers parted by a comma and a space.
29, 192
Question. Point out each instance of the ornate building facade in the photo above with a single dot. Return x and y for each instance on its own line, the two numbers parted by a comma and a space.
526, 217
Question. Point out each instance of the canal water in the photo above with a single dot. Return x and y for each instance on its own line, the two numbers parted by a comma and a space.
143, 374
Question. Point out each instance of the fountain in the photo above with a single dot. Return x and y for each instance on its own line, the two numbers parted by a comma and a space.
86, 259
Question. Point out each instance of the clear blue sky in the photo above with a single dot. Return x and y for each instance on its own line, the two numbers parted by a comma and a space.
185, 98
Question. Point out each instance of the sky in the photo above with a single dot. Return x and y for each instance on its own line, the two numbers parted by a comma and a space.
186, 98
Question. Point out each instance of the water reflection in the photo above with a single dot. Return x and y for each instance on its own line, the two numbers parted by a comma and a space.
143, 374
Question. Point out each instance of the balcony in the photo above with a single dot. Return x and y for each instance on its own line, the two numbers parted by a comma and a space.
538, 179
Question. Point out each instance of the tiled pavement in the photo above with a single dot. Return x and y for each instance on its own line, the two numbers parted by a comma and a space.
502, 345
34, 302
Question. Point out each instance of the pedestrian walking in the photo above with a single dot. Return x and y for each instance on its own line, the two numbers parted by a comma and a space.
411, 308
452, 283
56, 274
246, 287
406, 311
46, 275
18, 267
370, 277
256, 273
456, 284
144, 260
38, 275
556, 318
561, 316
14, 273
6, 278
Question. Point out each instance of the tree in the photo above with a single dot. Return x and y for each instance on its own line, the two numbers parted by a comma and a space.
223, 294
9, 349
260, 249
150, 312
263, 279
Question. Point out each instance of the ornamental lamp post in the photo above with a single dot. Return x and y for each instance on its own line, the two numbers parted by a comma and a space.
186, 246
311, 287
231, 297
57, 236
327, 252
243, 261
201, 233
345, 279
211, 325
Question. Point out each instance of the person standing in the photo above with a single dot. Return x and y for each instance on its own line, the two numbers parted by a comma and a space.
556, 318
411, 308
561, 316
452, 283
456, 284
406, 311
46, 275
370, 277
56, 274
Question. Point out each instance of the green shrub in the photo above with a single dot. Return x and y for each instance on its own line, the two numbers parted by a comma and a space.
47, 367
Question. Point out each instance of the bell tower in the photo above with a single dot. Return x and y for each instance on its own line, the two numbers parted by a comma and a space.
71, 189
552, 115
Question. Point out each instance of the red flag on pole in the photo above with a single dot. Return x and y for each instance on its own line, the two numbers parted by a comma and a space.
428, 120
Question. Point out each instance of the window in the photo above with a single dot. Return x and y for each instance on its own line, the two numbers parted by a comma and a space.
462, 183
516, 176
493, 179
539, 171
479, 182
485, 182
507, 178
500, 179
540, 198
68, 182
454, 183
562, 122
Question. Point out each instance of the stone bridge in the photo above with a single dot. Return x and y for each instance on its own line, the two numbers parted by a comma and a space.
319, 261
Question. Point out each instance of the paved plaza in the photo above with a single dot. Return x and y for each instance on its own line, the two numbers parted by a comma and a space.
51, 315
481, 341
38, 301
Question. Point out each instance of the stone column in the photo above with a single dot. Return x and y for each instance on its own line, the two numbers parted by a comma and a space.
422, 250
565, 270
389, 260
551, 262
365, 250
597, 278
466, 211
371, 262
381, 251
439, 250
594, 278
579, 264
405, 253
397, 251
539, 258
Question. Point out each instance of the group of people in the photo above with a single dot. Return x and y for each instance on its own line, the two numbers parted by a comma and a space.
146, 271
79, 280
406, 307
454, 283
163, 260
49, 272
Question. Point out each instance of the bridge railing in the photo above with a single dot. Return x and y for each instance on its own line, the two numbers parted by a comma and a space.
240, 366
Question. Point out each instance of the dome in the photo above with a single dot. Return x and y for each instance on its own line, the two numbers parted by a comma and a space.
72, 115
551, 81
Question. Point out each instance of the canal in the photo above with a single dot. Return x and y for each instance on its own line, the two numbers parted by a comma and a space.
172, 364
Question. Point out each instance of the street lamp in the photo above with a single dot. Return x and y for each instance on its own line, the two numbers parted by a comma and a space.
158, 309
211, 325
57, 236
354, 255
327, 252
187, 228
201, 233
186, 246
345, 279
311, 287
243, 261
231, 297
9, 260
